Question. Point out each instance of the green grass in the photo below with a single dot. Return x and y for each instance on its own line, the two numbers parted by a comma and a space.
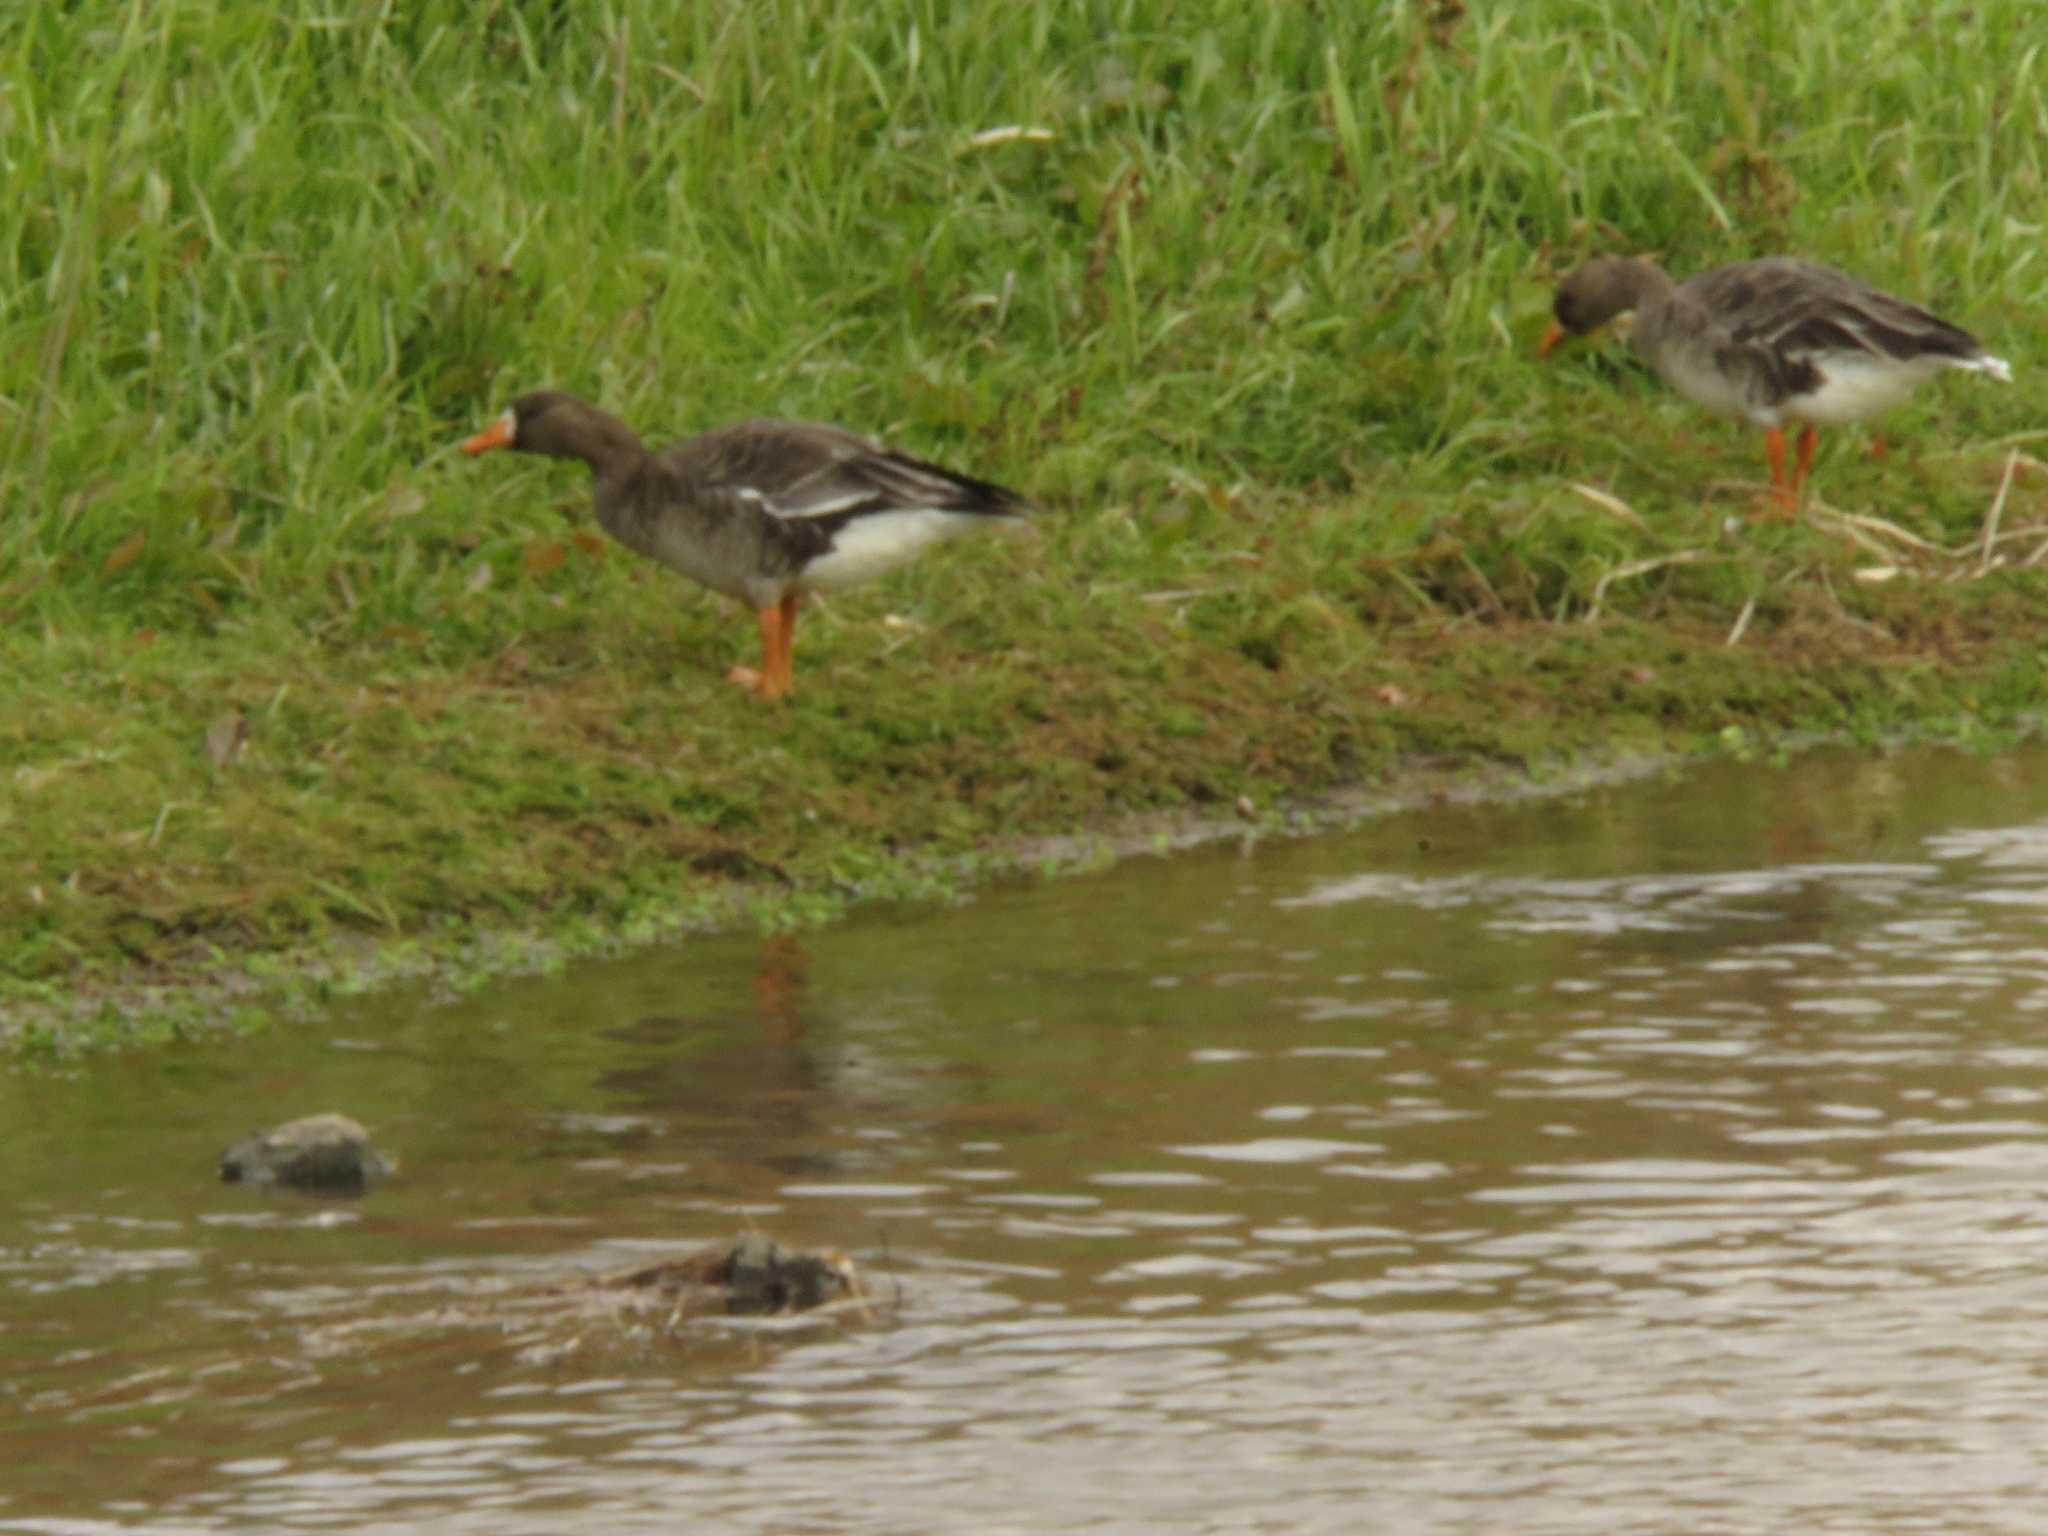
1250, 309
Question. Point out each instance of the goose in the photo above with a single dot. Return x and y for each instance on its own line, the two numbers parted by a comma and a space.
762, 510
1771, 341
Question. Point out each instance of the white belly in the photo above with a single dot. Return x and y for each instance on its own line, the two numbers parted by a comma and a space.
1853, 387
868, 546
1703, 384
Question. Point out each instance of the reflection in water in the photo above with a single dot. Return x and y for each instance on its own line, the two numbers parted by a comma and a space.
779, 988
1665, 1160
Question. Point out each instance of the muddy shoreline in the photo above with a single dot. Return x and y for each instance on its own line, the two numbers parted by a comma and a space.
232, 996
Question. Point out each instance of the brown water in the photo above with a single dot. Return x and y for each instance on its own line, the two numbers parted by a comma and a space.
1661, 1158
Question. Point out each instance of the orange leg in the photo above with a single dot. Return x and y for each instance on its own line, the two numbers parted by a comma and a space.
1808, 441
782, 678
762, 682
1783, 490
778, 640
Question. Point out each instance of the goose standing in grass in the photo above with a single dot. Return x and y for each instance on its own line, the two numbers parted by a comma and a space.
1771, 341
763, 511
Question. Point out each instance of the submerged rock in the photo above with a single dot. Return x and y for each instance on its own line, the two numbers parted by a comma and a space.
329, 1153
756, 1276
673, 1300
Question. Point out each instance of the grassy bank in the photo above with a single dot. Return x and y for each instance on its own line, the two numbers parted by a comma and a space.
1245, 297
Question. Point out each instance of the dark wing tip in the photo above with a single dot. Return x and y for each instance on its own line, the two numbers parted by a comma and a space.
922, 482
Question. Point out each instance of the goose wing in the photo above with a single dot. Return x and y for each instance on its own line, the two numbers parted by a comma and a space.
1802, 309
811, 471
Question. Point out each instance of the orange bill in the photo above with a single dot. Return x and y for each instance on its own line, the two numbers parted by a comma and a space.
498, 434
1551, 338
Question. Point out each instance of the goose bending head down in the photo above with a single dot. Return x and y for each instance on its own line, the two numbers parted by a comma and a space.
1771, 341
763, 511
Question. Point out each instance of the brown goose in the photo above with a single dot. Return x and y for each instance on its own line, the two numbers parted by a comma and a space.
763, 511
1771, 341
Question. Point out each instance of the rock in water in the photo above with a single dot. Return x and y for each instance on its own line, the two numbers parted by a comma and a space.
756, 1276
764, 1277
328, 1153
